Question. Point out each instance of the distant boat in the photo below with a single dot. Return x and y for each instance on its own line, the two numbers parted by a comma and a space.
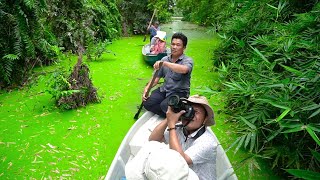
152, 58
138, 135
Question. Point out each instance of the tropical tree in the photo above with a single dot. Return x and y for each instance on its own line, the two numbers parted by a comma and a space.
83, 22
32, 31
24, 41
136, 14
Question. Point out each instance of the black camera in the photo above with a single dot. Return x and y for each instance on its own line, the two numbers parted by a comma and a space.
177, 104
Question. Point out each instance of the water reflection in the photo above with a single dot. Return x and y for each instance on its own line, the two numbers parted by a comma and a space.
192, 31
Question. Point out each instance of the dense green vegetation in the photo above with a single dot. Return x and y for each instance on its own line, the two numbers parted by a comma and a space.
269, 65
268, 61
136, 14
34, 33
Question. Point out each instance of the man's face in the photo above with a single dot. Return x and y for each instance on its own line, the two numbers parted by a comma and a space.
177, 47
199, 117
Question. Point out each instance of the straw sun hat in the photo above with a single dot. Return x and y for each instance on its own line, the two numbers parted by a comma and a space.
196, 99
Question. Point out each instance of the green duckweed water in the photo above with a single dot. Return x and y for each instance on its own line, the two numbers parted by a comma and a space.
38, 141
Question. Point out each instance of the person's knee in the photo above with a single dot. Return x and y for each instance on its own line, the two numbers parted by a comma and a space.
155, 109
164, 106
147, 105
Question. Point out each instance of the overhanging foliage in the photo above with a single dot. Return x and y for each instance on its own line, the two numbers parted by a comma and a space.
269, 65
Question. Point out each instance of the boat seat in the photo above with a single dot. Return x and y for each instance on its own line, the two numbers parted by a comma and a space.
142, 136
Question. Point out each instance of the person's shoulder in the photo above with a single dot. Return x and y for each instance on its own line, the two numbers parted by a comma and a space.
209, 139
186, 58
166, 58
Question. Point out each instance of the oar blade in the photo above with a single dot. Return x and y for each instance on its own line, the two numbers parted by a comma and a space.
136, 116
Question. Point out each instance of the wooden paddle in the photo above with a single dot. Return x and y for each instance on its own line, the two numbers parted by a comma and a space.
136, 116
145, 36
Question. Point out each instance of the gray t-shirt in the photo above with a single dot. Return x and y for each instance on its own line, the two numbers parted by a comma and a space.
202, 152
176, 82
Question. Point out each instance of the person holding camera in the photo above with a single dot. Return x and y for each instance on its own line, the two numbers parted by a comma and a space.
184, 129
176, 70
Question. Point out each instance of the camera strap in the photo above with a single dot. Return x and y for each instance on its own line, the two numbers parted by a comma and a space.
186, 132
200, 132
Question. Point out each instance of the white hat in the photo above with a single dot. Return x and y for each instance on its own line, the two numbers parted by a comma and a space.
134, 167
155, 161
162, 35
168, 164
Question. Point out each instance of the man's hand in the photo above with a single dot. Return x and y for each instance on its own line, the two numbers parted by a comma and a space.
173, 117
145, 95
156, 65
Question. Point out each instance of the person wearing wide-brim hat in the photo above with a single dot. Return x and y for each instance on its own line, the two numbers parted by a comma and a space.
190, 138
159, 44
162, 35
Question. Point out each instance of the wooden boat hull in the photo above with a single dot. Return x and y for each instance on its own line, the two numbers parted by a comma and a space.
150, 59
138, 136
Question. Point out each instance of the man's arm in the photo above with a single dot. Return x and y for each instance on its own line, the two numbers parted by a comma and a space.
174, 144
178, 68
145, 95
157, 133
152, 27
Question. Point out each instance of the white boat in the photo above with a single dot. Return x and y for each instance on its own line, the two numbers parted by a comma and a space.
138, 135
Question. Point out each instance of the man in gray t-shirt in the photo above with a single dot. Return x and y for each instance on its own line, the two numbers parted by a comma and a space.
176, 70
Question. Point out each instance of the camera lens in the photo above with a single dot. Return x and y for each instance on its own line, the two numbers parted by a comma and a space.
178, 104
175, 103
173, 100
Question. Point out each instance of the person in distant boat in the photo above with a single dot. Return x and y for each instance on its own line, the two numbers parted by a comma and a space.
176, 71
153, 29
190, 138
159, 43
